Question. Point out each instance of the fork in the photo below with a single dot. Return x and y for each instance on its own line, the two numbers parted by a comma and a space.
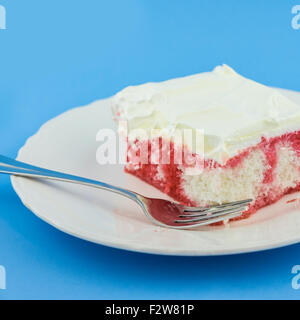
161, 212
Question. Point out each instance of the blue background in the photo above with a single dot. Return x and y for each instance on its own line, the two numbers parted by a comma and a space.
58, 54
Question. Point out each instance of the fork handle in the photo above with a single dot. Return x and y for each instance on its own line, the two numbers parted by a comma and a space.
17, 168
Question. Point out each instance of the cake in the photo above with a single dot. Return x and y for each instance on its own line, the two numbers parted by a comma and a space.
212, 138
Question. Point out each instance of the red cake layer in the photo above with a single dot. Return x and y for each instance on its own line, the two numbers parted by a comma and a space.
172, 182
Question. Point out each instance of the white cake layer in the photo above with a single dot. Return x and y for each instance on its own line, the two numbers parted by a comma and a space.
233, 112
246, 181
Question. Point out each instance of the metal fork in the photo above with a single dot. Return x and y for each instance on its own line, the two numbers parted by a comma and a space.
161, 212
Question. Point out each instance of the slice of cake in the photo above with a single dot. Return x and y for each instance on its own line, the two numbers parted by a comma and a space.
212, 138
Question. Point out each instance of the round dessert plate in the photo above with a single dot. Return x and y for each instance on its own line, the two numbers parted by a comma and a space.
68, 143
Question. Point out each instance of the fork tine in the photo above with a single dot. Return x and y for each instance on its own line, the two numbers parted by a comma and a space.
214, 207
214, 211
208, 219
220, 213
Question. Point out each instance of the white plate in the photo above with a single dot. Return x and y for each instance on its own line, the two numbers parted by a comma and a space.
68, 143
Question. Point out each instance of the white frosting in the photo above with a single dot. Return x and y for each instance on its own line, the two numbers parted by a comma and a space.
233, 112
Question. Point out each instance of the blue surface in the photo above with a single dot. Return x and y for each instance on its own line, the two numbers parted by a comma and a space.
56, 55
